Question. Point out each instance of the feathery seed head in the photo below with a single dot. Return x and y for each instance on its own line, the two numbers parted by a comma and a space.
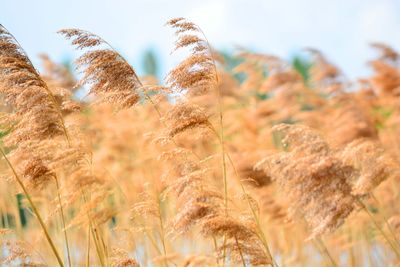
108, 74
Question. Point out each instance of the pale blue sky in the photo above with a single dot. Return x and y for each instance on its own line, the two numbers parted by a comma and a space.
342, 28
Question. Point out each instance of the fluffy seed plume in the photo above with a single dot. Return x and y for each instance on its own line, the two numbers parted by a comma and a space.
61, 83
200, 204
386, 52
386, 80
349, 121
325, 74
197, 73
108, 74
34, 113
312, 177
185, 116
36, 173
120, 258
19, 252
196, 199
243, 242
372, 165
322, 184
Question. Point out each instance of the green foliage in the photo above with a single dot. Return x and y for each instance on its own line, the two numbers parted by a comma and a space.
150, 62
4, 133
230, 62
67, 63
383, 113
307, 107
302, 66
262, 96
21, 210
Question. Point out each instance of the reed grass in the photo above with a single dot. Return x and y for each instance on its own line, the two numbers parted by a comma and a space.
217, 165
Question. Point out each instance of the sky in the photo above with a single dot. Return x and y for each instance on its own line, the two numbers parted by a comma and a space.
342, 29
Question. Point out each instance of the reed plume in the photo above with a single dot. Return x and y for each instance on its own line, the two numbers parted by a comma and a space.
108, 74
325, 75
386, 52
120, 258
197, 73
325, 192
20, 253
34, 114
318, 192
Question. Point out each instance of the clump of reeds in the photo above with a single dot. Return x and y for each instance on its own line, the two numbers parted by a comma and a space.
109, 75
228, 164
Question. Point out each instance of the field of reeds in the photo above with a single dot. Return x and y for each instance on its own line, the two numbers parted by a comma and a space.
263, 163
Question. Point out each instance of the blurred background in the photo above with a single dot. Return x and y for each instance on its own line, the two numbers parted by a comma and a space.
341, 29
